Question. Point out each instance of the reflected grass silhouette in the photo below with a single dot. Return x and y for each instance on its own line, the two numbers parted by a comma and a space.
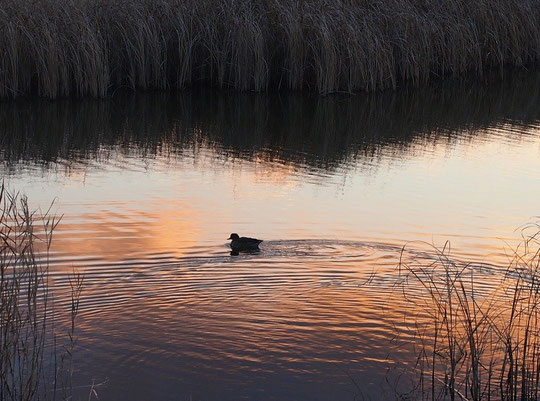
302, 131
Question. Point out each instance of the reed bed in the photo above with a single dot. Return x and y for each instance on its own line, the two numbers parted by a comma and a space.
478, 342
32, 365
59, 48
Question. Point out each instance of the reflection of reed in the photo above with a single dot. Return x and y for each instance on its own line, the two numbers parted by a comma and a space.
296, 129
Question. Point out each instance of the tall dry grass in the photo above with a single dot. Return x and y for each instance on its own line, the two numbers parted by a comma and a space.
32, 367
92, 47
479, 342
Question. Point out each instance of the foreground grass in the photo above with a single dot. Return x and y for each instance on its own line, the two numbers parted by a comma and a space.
479, 342
32, 365
91, 47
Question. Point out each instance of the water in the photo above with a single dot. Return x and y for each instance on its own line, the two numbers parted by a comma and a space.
150, 186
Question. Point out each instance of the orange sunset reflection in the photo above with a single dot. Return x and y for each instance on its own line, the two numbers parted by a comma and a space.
113, 237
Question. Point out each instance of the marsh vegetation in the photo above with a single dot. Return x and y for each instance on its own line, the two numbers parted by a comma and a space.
478, 341
91, 48
35, 356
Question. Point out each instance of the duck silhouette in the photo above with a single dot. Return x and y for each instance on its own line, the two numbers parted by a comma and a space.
243, 244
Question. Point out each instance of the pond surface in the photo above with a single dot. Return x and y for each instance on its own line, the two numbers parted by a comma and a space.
150, 187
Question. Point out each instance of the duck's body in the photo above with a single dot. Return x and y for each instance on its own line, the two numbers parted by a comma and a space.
242, 244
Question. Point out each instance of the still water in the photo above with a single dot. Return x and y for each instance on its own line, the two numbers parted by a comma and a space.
150, 186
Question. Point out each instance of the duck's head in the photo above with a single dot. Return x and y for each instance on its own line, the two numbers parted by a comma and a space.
234, 236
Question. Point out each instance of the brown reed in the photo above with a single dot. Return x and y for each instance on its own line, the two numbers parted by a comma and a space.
92, 47
29, 368
477, 344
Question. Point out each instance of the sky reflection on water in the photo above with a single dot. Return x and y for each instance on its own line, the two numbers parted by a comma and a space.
151, 186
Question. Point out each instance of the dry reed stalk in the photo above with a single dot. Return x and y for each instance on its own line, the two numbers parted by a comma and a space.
90, 48
24, 301
479, 345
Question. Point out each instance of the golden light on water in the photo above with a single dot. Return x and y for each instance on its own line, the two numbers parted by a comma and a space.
132, 234
147, 222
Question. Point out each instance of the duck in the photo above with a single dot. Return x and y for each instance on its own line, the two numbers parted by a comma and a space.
242, 244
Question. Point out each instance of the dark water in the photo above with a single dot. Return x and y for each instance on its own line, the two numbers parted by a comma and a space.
150, 186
